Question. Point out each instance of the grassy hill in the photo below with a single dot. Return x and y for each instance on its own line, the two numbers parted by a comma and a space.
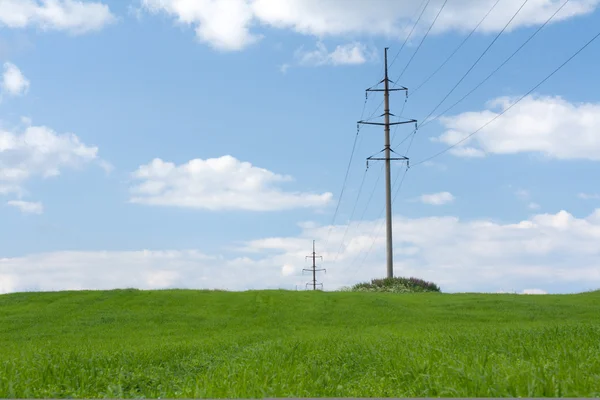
184, 343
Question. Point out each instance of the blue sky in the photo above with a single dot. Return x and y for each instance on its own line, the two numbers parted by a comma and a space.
204, 144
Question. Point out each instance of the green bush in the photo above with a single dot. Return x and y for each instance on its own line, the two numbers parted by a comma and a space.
396, 285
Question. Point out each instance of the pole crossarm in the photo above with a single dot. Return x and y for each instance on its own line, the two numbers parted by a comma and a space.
391, 159
321, 257
400, 88
391, 151
400, 158
314, 285
389, 90
408, 121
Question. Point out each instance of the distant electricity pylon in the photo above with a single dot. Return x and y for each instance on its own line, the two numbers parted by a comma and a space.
387, 150
314, 269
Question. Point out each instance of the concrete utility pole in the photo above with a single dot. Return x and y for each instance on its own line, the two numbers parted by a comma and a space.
387, 158
314, 269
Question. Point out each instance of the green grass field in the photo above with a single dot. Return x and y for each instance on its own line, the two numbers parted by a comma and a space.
179, 343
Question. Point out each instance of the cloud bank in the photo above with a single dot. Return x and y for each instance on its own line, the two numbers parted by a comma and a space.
550, 252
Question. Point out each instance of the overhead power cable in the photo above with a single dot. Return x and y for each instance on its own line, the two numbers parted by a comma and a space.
411, 31
415, 90
500, 66
475, 63
402, 47
422, 40
412, 136
351, 216
337, 207
513, 104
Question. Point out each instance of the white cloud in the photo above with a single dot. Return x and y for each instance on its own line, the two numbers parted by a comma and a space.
348, 54
224, 25
228, 24
523, 194
557, 252
223, 183
144, 269
341, 17
106, 166
74, 16
161, 279
288, 270
588, 196
462, 15
437, 199
13, 80
11, 188
27, 207
546, 250
539, 124
283, 68
526, 291
39, 151
534, 291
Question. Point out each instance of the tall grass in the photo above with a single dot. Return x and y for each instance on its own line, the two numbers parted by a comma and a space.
184, 344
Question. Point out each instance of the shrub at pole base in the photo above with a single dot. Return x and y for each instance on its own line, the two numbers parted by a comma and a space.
396, 285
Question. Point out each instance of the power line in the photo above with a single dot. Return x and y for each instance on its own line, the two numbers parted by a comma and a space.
380, 171
351, 216
350, 163
379, 175
412, 136
399, 118
500, 66
337, 207
504, 111
425, 122
370, 198
411, 31
514, 104
372, 191
395, 82
422, 40
376, 230
409, 136
455, 50
402, 47
475, 63
372, 88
